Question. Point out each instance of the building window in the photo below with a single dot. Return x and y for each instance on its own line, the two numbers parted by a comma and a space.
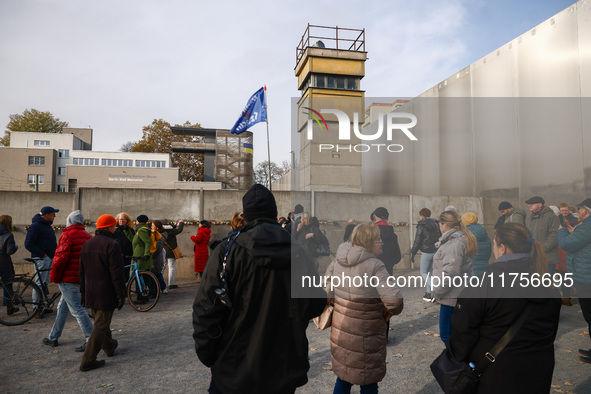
333, 82
41, 143
61, 170
36, 160
63, 153
150, 163
61, 188
31, 179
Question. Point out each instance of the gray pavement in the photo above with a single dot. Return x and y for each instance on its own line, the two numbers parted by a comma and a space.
156, 353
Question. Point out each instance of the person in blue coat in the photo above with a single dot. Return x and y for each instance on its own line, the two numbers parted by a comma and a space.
576, 241
41, 242
480, 262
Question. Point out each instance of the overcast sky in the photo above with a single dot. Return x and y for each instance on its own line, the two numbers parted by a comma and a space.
115, 66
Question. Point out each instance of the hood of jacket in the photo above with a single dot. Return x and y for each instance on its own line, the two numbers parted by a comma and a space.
542, 212
519, 211
478, 231
74, 227
349, 255
3, 229
267, 243
39, 219
448, 236
428, 222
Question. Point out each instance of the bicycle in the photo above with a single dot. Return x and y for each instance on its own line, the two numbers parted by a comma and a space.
143, 289
17, 293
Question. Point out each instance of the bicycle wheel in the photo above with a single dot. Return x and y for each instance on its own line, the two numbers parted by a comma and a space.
17, 302
143, 295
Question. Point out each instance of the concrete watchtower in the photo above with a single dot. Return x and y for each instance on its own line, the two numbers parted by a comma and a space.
330, 63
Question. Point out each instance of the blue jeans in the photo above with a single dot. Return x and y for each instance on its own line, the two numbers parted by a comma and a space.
445, 322
70, 303
44, 264
342, 387
426, 269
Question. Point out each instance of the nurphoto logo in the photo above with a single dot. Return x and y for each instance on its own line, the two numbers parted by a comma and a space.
344, 122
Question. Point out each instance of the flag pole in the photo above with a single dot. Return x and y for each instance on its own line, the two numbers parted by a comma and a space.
268, 145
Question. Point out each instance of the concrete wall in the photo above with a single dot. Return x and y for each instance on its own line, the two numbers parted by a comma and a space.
332, 209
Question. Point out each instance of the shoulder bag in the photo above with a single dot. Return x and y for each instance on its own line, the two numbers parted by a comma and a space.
456, 377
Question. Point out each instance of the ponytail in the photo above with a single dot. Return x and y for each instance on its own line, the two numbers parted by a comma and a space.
452, 219
518, 239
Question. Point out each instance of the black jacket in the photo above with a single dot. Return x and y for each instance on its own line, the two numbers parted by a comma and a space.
427, 235
102, 280
527, 362
391, 250
7, 248
40, 238
313, 242
258, 345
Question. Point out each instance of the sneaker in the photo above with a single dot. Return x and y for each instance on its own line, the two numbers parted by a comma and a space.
427, 297
50, 342
585, 359
585, 352
112, 352
82, 348
173, 287
93, 365
165, 291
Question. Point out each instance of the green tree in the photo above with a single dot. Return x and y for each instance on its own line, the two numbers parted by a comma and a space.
32, 120
158, 138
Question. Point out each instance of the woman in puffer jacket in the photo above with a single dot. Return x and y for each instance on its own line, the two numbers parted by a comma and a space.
480, 263
358, 334
201, 252
453, 258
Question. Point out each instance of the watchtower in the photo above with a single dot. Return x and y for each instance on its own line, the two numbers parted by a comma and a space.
330, 63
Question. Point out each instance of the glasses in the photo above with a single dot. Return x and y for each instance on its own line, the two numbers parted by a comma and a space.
379, 241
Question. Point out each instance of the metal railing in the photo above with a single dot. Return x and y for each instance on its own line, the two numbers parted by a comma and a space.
350, 41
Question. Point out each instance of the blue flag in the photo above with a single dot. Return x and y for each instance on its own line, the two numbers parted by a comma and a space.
253, 113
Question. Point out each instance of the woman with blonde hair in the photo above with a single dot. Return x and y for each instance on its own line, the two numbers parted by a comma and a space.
358, 334
485, 313
453, 258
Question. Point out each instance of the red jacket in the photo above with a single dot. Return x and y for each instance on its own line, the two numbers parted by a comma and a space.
201, 250
67, 255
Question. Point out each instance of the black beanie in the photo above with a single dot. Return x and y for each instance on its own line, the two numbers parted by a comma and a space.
381, 213
258, 202
505, 205
142, 219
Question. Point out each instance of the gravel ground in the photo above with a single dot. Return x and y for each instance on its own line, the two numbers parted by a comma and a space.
156, 353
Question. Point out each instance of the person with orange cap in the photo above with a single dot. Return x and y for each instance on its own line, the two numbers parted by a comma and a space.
102, 286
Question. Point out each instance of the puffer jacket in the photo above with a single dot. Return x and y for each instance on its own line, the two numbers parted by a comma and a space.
452, 259
142, 245
40, 239
544, 226
578, 251
66, 261
201, 251
480, 262
358, 333
7, 248
427, 235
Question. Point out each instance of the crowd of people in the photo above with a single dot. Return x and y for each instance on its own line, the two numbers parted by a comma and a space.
249, 288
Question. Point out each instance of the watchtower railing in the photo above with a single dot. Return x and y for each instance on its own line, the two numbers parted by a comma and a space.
349, 39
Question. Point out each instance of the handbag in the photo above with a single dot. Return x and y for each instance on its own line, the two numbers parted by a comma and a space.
325, 319
176, 251
458, 377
